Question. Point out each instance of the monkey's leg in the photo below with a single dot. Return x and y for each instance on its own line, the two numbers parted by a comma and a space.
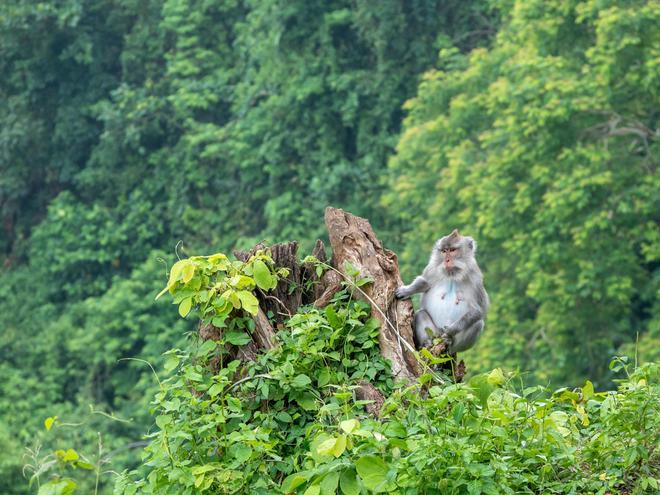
462, 341
425, 329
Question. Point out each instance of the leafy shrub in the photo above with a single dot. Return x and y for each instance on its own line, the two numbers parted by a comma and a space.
288, 422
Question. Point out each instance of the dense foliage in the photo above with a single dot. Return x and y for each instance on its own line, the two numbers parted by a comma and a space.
545, 148
130, 125
288, 421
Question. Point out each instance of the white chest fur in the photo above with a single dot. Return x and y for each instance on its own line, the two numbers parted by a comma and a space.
445, 303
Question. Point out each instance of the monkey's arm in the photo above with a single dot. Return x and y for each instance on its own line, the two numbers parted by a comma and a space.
418, 285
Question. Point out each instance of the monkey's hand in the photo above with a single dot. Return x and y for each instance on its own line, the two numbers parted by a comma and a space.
448, 331
402, 292
446, 337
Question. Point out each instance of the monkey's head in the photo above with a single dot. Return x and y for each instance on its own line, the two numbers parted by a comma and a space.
454, 254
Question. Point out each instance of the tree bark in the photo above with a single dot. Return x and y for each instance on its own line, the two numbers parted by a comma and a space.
354, 241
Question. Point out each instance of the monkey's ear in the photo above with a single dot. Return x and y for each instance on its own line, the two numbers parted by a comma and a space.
472, 244
454, 233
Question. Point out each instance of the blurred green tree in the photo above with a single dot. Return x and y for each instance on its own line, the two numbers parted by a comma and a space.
545, 149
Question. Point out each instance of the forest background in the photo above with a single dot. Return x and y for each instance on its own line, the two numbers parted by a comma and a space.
129, 126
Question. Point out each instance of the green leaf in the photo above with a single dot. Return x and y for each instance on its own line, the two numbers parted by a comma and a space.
348, 482
58, 487
48, 423
207, 347
231, 296
240, 451
496, 377
349, 425
284, 416
171, 362
188, 272
327, 446
458, 411
293, 481
219, 321
163, 420
313, 490
351, 270
175, 273
333, 318
587, 390
395, 429
301, 381
68, 455
242, 282
373, 471
482, 388
248, 301
206, 468
339, 447
216, 389
184, 307
237, 338
329, 483
323, 378
262, 276
307, 401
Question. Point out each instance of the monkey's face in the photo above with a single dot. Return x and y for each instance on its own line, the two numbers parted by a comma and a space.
455, 252
449, 255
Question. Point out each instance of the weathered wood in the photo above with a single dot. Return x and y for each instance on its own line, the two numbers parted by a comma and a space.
314, 286
328, 284
366, 391
353, 240
264, 334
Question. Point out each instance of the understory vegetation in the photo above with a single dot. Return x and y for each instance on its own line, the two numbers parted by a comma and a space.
288, 421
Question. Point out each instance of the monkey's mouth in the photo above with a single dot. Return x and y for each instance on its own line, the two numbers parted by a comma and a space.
451, 268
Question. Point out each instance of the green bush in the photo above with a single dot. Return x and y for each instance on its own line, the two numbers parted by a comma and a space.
288, 422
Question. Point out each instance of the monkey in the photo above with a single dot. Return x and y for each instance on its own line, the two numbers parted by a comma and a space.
454, 301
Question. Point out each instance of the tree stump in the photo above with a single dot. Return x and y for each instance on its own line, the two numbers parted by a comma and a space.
354, 247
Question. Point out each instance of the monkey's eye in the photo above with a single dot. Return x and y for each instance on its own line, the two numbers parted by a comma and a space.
443, 250
453, 250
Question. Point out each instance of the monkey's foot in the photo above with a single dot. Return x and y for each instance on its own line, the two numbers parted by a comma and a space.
438, 349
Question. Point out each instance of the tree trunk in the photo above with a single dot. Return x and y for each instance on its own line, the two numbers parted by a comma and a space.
354, 241
355, 246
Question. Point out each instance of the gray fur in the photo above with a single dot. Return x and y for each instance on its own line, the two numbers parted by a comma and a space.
463, 282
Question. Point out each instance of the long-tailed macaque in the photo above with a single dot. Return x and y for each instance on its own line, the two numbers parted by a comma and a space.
454, 300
